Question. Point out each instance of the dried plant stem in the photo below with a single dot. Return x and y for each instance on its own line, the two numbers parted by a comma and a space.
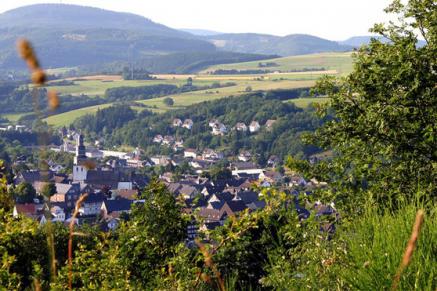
409, 250
70, 240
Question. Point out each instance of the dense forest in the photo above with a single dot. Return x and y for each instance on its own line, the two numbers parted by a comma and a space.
381, 182
121, 126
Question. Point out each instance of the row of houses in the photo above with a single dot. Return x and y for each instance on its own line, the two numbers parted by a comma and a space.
187, 123
219, 128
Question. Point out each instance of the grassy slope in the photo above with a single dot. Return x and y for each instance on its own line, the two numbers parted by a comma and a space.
341, 62
334, 63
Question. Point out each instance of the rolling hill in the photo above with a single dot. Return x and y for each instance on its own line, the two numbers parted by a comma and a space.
72, 36
290, 45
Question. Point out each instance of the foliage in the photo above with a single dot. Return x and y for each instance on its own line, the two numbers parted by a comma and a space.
24, 193
106, 120
386, 114
149, 238
168, 101
281, 140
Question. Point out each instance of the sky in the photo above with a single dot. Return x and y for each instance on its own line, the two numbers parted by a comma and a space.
331, 19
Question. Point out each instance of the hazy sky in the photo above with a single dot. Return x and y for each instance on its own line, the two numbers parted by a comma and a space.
333, 19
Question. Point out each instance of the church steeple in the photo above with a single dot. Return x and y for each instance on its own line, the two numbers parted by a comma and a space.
80, 150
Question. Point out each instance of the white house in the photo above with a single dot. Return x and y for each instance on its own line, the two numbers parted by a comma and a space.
244, 156
240, 126
254, 126
58, 213
177, 122
158, 139
188, 124
219, 129
190, 153
209, 154
168, 140
269, 123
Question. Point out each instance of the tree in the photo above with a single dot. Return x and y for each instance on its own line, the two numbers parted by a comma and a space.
168, 101
48, 190
152, 233
6, 201
384, 131
25, 193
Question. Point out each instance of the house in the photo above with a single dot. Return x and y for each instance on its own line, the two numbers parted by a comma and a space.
57, 213
190, 153
213, 122
114, 208
254, 126
188, 124
160, 160
244, 156
247, 168
92, 204
240, 126
270, 176
219, 129
199, 165
188, 192
269, 124
209, 154
67, 193
168, 140
178, 145
167, 177
273, 161
177, 122
158, 139
29, 209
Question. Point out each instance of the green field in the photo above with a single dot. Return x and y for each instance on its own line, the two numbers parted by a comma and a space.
67, 118
304, 102
13, 117
341, 62
333, 63
94, 88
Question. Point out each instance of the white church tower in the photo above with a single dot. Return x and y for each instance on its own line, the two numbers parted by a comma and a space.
79, 169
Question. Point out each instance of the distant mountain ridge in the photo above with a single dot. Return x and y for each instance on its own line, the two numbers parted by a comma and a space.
200, 32
70, 35
67, 16
294, 44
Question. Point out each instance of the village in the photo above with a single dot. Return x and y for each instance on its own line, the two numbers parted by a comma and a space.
113, 182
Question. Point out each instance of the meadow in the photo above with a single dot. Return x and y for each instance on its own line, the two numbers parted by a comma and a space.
333, 63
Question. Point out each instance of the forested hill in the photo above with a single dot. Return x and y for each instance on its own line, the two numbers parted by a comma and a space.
64, 16
282, 139
70, 36
294, 44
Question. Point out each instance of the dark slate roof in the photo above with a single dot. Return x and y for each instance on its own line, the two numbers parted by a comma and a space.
103, 177
236, 205
96, 197
248, 196
34, 176
209, 214
118, 205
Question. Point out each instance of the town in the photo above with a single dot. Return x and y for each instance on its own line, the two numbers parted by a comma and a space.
113, 183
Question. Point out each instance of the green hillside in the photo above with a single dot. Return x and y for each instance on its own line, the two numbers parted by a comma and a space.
294, 44
341, 62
